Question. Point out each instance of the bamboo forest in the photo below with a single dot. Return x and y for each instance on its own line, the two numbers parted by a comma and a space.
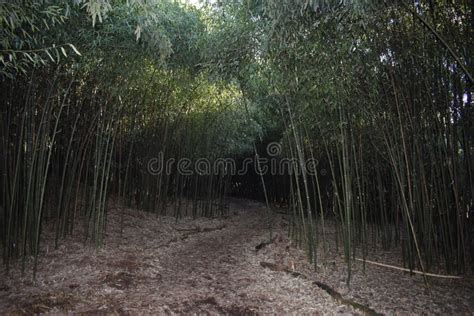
236, 157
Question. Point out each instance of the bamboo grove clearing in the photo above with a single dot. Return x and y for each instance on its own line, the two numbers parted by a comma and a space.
137, 136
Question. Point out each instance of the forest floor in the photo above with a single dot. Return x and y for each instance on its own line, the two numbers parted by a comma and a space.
211, 266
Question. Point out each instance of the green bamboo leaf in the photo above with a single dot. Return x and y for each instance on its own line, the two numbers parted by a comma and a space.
49, 55
75, 49
29, 57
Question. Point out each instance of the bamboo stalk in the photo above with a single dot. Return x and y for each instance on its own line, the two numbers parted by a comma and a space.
411, 271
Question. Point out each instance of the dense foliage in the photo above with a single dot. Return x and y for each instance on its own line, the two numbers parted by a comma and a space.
378, 93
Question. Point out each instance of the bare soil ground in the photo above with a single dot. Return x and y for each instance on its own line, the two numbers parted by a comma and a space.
211, 266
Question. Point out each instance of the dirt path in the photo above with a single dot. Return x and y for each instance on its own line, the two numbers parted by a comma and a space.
210, 266
220, 272
159, 266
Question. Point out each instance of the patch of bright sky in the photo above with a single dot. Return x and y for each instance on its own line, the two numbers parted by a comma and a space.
196, 3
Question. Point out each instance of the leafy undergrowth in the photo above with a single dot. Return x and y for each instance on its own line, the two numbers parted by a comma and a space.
209, 266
